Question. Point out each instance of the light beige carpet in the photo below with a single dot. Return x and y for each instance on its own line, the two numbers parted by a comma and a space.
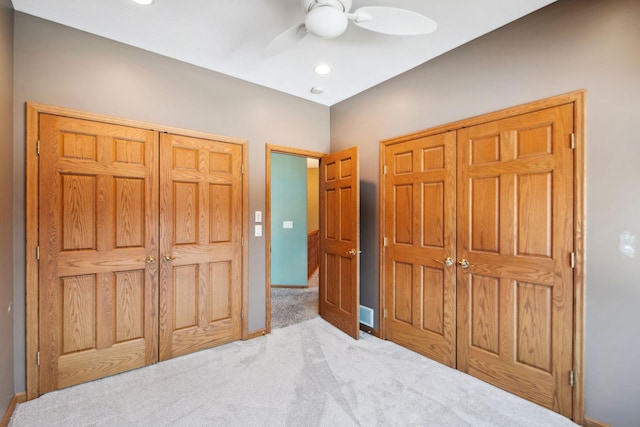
309, 374
294, 305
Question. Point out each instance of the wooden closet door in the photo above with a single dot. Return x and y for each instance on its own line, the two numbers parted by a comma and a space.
98, 237
201, 208
419, 259
515, 229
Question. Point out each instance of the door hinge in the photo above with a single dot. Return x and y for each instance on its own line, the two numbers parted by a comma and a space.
384, 170
573, 260
573, 141
38, 147
385, 313
242, 242
242, 313
38, 253
242, 169
38, 358
385, 242
572, 379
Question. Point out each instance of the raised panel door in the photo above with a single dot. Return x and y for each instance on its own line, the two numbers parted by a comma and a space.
201, 208
339, 278
419, 227
515, 228
98, 295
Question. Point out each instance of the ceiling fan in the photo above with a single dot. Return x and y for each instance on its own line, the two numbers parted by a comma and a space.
329, 19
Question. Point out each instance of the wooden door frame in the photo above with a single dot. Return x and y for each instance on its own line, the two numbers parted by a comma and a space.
578, 99
270, 149
33, 110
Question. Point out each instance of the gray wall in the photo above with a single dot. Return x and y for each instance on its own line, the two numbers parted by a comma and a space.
571, 44
6, 210
60, 66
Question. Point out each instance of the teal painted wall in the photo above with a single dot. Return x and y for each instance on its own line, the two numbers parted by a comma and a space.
288, 203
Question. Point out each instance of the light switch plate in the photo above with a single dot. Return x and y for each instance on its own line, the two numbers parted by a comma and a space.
258, 230
287, 224
258, 216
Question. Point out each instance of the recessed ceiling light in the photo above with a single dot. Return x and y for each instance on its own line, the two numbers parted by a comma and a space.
317, 90
143, 2
322, 69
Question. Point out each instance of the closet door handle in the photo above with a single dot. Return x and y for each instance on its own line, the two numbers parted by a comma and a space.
150, 260
447, 262
464, 263
168, 258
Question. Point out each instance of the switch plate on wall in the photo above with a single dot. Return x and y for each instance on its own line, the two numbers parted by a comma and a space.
287, 224
258, 230
258, 216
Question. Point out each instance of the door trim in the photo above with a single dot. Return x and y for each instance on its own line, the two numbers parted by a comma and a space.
33, 110
578, 99
269, 149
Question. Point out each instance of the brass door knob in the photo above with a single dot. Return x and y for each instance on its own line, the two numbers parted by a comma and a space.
464, 263
150, 260
169, 257
448, 261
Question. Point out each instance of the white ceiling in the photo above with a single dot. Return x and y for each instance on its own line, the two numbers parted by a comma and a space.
229, 36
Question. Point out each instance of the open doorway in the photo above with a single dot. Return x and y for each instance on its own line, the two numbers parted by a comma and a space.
292, 235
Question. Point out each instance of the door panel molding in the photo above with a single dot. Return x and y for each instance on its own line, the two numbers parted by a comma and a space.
577, 99
126, 241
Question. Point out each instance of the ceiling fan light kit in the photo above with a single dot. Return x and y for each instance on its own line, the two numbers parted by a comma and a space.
326, 22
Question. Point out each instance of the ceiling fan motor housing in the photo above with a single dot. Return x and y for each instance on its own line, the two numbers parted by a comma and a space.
343, 5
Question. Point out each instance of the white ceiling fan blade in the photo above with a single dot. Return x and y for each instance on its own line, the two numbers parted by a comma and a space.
394, 21
286, 40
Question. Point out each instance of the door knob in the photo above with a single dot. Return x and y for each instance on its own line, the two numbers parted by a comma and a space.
150, 260
448, 262
464, 263
168, 257
352, 252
